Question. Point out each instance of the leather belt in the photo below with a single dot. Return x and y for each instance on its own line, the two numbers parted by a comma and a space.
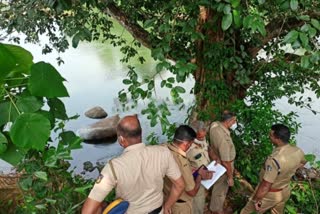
275, 190
156, 211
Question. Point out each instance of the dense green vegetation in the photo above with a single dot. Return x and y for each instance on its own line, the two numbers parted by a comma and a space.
244, 55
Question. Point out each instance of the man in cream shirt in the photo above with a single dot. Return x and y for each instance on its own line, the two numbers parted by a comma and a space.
140, 171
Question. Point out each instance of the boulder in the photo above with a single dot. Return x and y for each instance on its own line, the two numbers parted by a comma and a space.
105, 128
96, 113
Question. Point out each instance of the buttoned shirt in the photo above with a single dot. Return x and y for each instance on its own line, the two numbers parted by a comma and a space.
221, 142
281, 165
186, 171
140, 171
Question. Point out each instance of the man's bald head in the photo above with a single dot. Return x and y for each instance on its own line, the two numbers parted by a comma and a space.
129, 128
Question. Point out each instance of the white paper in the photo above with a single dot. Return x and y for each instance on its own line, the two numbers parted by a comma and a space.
218, 169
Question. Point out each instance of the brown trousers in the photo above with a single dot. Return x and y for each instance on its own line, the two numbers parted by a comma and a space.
219, 193
182, 208
273, 201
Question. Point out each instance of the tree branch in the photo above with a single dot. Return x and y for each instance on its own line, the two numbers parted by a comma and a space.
278, 28
134, 29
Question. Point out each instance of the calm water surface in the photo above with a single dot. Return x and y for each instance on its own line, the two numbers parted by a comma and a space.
94, 76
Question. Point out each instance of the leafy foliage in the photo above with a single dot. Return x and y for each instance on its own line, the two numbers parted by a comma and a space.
25, 131
243, 55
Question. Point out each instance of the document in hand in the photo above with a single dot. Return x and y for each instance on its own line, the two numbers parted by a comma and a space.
218, 169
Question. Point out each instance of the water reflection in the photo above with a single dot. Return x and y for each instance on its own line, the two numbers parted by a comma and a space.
94, 76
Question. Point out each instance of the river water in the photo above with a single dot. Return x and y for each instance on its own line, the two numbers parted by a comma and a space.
94, 76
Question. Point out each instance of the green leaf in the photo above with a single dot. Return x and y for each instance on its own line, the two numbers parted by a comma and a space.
8, 112
14, 59
83, 188
305, 61
291, 37
30, 130
29, 104
171, 79
151, 85
236, 18
69, 138
226, 21
261, 27
310, 157
42, 175
45, 81
57, 108
261, 1
235, 3
76, 39
3, 143
12, 155
304, 39
294, 4
315, 24
227, 9
180, 89
126, 81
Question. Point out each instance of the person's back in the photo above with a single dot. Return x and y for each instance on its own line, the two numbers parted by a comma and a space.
287, 164
140, 180
137, 174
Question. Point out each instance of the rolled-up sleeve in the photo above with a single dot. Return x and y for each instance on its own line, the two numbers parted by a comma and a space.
103, 186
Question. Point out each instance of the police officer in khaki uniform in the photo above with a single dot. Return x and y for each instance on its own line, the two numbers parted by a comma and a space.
198, 156
140, 172
273, 190
221, 143
183, 138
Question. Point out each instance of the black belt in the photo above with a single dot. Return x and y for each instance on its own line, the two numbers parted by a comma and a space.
156, 211
181, 201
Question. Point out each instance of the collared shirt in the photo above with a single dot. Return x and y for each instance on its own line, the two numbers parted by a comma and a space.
140, 171
281, 165
186, 171
221, 142
198, 154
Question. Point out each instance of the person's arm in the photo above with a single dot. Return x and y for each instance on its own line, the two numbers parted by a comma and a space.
213, 155
91, 206
229, 168
262, 190
203, 175
100, 190
175, 192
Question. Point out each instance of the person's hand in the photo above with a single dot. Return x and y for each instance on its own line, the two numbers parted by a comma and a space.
166, 209
230, 182
257, 205
218, 161
205, 174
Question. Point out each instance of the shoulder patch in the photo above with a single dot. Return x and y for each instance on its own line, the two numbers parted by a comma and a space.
99, 179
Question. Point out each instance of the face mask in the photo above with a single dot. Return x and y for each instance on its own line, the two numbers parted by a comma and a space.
200, 142
234, 126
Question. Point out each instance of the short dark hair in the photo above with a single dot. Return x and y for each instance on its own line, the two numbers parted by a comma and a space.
226, 115
184, 132
281, 132
129, 133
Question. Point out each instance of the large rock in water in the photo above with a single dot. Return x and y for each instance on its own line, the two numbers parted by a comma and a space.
96, 113
105, 128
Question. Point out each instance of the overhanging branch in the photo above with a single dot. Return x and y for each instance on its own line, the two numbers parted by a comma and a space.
278, 28
134, 29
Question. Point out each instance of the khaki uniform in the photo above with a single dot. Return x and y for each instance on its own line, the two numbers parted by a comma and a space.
198, 156
278, 169
184, 203
222, 144
140, 171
